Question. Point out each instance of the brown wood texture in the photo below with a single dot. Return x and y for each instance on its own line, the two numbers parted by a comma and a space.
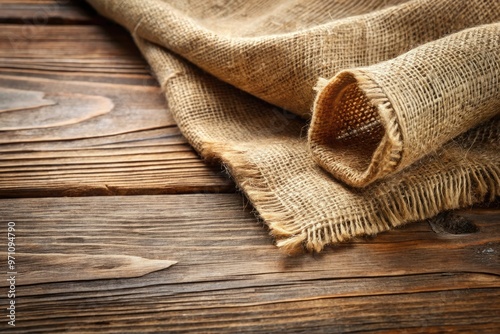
47, 12
229, 277
80, 115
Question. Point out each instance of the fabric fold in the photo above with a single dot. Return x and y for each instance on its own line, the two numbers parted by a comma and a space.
371, 122
267, 154
412, 111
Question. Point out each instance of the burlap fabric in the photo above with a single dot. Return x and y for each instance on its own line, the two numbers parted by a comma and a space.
402, 98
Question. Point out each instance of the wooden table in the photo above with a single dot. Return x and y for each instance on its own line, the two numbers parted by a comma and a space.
121, 227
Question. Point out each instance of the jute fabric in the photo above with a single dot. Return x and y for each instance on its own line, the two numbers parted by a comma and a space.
337, 119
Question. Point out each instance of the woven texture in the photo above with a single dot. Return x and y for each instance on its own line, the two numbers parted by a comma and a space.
402, 98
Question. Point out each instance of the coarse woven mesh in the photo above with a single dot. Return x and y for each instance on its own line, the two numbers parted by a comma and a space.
402, 97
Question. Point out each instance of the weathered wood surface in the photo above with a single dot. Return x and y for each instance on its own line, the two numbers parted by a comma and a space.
229, 277
81, 115
47, 12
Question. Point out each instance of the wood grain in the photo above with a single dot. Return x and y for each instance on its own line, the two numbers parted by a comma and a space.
42, 12
81, 115
229, 276
47, 268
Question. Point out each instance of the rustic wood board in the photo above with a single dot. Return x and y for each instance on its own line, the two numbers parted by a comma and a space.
47, 12
80, 114
230, 277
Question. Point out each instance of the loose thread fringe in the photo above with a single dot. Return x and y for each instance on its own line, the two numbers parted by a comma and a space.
252, 183
396, 207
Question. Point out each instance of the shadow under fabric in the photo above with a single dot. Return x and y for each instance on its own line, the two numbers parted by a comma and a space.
402, 98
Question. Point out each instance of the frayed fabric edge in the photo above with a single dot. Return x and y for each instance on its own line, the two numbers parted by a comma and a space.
424, 202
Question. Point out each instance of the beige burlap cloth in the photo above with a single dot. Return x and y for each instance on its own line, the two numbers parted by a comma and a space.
336, 118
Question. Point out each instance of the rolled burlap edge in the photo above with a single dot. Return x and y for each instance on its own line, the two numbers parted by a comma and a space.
374, 121
371, 150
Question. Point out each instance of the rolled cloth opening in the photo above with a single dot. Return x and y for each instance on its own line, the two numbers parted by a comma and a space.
354, 131
371, 122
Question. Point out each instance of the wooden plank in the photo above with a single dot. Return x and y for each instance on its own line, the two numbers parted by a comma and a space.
72, 52
229, 277
81, 115
41, 12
